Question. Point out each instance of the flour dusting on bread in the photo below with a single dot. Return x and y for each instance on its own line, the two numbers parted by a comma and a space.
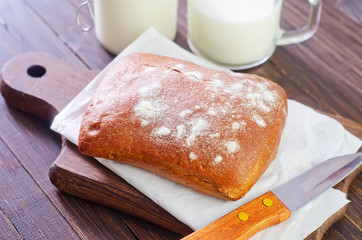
214, 131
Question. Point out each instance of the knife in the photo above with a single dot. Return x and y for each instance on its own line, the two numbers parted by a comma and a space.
275, 206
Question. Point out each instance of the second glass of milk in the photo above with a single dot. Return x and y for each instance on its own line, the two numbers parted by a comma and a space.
240, 34
233, 32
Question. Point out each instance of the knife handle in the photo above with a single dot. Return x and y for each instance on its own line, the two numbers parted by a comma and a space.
242, 223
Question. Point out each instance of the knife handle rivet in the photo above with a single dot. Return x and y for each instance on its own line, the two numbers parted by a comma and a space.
268, 202
243, 216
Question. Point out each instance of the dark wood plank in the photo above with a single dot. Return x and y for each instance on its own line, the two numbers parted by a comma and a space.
83, 44
346, 229
325, 67
351, 9
7, 229
350, 225
354, 210
28, 32
181, 36
148, 231
24, 204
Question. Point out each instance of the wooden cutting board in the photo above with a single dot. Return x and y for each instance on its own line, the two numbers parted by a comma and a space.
42, 86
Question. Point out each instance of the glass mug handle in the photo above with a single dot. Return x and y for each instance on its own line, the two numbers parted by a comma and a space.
85, 3
300, 35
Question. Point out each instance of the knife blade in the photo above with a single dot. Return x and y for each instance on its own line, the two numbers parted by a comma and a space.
275, 206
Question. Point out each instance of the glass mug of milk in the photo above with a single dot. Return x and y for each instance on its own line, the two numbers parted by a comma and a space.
241, 34
118, 22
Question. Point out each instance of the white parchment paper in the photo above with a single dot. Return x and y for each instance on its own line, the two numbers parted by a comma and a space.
308, 139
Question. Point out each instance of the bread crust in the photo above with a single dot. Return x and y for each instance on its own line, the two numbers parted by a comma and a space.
214, 131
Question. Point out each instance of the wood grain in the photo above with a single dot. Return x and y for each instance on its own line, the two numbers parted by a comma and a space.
29, 221
87, 49
7, 230
331, 76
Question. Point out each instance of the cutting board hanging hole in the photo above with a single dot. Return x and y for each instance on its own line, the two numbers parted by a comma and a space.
36, 71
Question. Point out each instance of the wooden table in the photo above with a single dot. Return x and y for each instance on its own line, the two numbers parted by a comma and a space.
324, 73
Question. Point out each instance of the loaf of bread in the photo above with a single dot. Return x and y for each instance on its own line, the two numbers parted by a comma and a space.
214, 131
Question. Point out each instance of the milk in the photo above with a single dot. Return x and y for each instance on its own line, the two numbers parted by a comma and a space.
234, 32
119, 22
